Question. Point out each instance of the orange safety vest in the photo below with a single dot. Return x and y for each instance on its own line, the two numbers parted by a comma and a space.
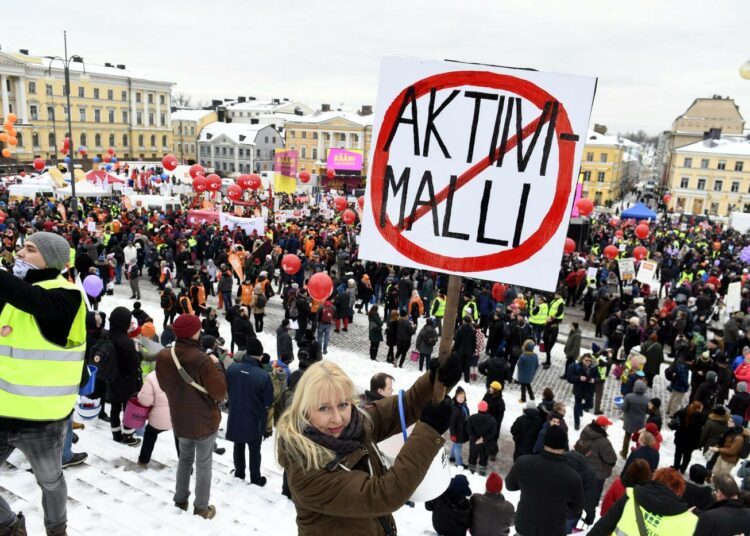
186, 305
246, 297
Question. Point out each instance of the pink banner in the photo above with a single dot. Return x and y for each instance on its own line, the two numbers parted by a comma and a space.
199, 217
285, 163
344, 159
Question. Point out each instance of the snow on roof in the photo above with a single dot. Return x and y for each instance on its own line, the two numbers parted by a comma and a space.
190, 115
233, 131
729, 145
594, 138
322, 117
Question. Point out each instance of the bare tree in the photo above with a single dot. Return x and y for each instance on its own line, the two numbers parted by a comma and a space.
182, 100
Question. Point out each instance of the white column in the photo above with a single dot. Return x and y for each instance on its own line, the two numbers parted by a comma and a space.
348, 142
4, 93
145, 110
237, 159
169, 111
157, 119
213, 164
24, 115
132, 108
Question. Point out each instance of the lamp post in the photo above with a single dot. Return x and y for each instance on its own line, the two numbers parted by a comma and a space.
66, 61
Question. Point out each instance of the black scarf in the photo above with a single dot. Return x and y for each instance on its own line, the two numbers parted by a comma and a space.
348, 441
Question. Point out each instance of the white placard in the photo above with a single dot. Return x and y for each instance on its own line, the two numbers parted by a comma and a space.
281, 216
627, 269
647, 272
734, 297
591, 272
248, 224
450, 187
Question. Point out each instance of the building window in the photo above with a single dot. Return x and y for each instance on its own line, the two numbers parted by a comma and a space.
124, 96
603, 158
32, 88
179, 130
304, 135
137, 97
738, 166
587, 176
19, 137
701, 184
110, 94
161, 99
51, 139
83, 140
139, 118
589, 157
192, 131
688, 162
303, 152
722, 164
600, 176
735, 186
150, 98
355, 138
164, 141
704, 163
292, 134
97, 116
151, 118
82, 114
714, 209
111, 140
684, 181
125, 117
97, 140
96, 92
35, 139
314, 153
718, 185
81, 92
124, 140
111, 116
34, 112
241, 152
598, 198
163, 119
48, 90
315, 136
140, 140
153, 140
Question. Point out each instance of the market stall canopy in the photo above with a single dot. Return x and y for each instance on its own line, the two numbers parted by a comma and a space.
85, 189
29, 190
639, 211
106, 178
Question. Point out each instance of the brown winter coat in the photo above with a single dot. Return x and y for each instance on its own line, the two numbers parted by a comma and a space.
346, 498
194, 414
732, 446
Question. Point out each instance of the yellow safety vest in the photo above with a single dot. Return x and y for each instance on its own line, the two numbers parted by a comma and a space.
39, 380
440, 312
192, 242
72, 258
684, 276
554, 309
106, 238
474, 310
656, 525
541, 315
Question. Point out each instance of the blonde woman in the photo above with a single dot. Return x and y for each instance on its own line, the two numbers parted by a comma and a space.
338, 479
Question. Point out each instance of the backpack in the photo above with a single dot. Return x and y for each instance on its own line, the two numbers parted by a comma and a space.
166, 300
745, 449
108, 368
326, 315
293, 310
261, 301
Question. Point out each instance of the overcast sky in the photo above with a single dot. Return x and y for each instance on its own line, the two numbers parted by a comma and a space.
652, 58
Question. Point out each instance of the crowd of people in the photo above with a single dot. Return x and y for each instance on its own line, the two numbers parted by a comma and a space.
682, 328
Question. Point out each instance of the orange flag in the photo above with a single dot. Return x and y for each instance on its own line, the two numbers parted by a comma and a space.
236, 263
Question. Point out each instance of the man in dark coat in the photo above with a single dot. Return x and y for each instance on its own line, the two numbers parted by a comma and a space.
728, 515
250, 395
451, 511
578, 460
284, 346
496, 369
551, 492
463, 344
129, 378
525, 430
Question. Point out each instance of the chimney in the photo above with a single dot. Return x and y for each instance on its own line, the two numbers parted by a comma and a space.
298, 111
366, 110
242, 137
251, 99
600, 129
121, 66
254, 121
240, 99
215, 103
107, 64
209, 136
276, 101
286, 100
325, 107
221, 115
24, 51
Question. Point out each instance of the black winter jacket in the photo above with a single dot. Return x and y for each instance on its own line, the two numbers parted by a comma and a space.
451, 514
525, 430
481, 425
130, 379
729, 516
496, 369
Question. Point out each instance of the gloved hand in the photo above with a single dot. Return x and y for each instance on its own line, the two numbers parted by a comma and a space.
449, 374
453, 438
268, 433
438, 415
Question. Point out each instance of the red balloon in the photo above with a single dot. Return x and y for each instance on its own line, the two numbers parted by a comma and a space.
640, 253
304, 176
243, 181
291, 264
106, 158
570, 245
234, 192
254, 182
641, 231
23, 174
320, 286
585, 206
613, 222
169, 162
611, 252
497, 291
330, 173
348, 217
196, 170
200, 184
110, 150
340, 203
619, 233
361, 202
667, 198
214, 182
39, 164
157, 180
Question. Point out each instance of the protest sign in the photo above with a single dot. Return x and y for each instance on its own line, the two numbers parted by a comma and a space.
248, 224
281, 216
199, 217
440, 126
285, 171
627, 269
647, 272
734, 297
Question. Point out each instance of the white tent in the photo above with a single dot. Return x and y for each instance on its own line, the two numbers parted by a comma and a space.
85, 189
29, 190
44, 180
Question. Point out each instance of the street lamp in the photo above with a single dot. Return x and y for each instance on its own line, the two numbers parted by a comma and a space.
745, 70
66, 61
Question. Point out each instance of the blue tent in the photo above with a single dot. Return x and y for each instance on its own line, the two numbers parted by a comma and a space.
639, 211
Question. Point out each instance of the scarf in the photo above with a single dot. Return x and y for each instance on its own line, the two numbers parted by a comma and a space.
348, 441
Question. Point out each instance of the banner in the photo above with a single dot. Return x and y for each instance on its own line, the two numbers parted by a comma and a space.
474, 169
647, 272
281, 216
344, 159
627, 269
199, 217
285, 171
248, 224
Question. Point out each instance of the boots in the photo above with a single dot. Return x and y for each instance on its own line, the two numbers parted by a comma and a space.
205, 513
58, 531
117, 436
130, 441
482, 470
16, 529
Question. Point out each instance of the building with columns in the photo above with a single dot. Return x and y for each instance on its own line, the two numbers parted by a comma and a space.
234, 148
186, 127
111, 107
314, 134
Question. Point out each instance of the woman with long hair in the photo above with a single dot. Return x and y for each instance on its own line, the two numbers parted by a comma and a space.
391, 332
687, 424
375, 331
328, 446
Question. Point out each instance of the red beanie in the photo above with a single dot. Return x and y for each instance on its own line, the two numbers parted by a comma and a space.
186, 326
494, 483
482, 406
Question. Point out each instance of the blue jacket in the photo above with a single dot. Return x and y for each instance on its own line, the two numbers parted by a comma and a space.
250, 394
679, 382
486, 304
526, 366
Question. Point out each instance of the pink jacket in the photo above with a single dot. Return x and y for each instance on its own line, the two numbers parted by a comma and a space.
743, 373
151, 395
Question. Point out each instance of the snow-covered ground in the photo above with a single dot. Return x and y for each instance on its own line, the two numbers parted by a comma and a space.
111, 495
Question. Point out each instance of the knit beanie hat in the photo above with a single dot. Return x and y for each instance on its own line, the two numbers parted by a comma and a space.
254, 347
742, 387
53, 248
711, 376
459, 486
186, 326
482, 407
494, 483
555, 438
737, 421
496, 386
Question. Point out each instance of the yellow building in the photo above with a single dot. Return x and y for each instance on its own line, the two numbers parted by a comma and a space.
609, 164
186, 127
313, 135
111, 107
711, 177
